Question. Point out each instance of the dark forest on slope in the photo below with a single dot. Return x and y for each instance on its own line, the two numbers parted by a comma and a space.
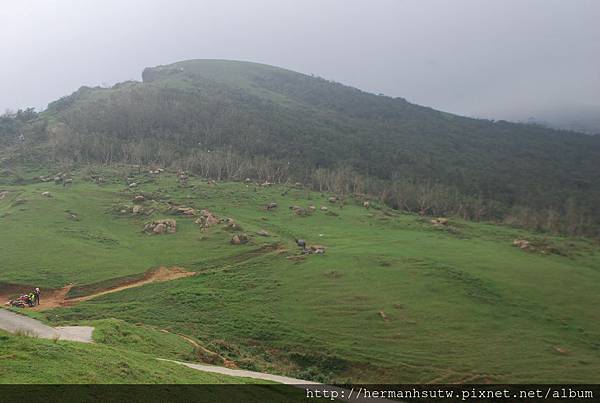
232, 120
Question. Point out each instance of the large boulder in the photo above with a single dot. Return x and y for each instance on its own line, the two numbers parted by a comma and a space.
207, 219
239, 239
231, 225
318, 249
157, 227
300, 211
522, 243
160, 228
439, 221
186, 211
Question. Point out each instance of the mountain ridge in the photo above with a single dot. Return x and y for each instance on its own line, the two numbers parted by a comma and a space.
189, 108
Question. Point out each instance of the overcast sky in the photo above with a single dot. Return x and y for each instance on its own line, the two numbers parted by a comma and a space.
488, 58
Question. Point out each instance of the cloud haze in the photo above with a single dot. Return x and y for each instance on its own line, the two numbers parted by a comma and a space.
491, 58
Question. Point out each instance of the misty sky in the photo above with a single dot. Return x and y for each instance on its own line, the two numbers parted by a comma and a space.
488, 58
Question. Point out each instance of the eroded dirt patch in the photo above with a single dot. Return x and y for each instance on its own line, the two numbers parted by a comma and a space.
53, 298
154, 276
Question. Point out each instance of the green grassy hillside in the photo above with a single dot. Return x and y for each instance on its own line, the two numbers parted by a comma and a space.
31, 360
394, 298
118, 358
229, 119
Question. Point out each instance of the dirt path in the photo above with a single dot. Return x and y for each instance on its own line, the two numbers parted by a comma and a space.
14, 323
53, 298
156, 276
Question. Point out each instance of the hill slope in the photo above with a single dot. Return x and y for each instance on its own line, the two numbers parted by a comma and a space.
272, 123
394, 298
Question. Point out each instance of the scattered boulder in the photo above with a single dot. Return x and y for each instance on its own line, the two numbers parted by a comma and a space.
522, 243
132, 185
383, 316
300, 211
543, 246
3, 194
311, 208
318, 249
185, 211
262, 232
267, 184
72, 216
366, 205
239, 239
46, 194
182, 176
139, 198
158, 227
323, 208
211, 182
301, 243
137, 209
439, 221
270, 206
561, 350
231, 225
332, 199
207, 219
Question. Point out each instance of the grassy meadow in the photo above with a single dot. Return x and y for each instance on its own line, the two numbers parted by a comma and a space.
31, 360
393, 299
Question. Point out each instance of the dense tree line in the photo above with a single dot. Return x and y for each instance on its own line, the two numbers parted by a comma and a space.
232, 121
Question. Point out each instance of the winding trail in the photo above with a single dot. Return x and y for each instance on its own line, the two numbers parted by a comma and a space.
154, 276
241, 373
19, 324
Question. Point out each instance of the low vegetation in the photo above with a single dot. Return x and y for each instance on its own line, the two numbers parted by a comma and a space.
394, 298
31, 360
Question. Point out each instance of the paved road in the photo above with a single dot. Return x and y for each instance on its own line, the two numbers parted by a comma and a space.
244, 374
341, 394
14, 323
